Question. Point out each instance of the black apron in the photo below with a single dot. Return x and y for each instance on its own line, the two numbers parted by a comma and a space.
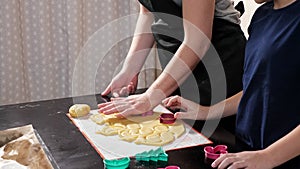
227, 39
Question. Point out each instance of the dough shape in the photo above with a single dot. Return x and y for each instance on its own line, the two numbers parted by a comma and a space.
98, 118
161, 128
177, 129
108, 131
145, 131
140, 130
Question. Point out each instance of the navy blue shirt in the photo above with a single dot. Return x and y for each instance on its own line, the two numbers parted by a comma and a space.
270, 106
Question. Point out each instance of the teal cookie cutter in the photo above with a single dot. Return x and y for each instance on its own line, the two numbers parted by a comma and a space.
122, 163
152, 155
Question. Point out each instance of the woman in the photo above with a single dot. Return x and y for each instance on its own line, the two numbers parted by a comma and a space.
181, 48
267, 109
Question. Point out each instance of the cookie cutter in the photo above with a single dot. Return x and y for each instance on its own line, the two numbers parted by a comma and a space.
122, 163
152, 155
167, 118
170, 167
215, 152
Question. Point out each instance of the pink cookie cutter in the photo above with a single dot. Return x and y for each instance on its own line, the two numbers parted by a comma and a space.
170, 167
215, 152
167, 118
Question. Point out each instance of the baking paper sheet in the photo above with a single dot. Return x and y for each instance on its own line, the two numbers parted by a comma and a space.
111, 147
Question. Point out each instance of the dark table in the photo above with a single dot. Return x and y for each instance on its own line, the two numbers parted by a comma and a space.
68, 146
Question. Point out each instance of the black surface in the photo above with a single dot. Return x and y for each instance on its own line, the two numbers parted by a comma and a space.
65, 142
69, 147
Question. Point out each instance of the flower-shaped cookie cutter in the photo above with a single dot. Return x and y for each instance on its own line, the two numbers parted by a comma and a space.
167, 118
215, 152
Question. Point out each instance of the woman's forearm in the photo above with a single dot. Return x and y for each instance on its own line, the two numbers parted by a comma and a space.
197, 22
177, 70
141, 44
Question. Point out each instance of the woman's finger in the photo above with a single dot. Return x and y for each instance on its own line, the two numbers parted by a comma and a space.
126, 113
107, 90
115, 108
109, 105
131, 88
103, 104
118, 99
115, 94
124, 92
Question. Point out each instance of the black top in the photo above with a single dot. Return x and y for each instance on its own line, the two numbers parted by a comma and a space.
228, 43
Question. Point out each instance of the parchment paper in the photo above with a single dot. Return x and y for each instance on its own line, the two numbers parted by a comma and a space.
111, 147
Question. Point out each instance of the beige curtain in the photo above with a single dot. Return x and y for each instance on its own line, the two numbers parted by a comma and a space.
60, 48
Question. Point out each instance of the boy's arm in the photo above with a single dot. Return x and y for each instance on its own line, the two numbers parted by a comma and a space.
276, 154
285, 148
195, 111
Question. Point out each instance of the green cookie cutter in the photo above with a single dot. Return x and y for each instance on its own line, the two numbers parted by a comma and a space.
122, 163
152, 155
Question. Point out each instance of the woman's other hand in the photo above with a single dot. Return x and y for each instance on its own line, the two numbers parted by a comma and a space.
132, 105
121, 85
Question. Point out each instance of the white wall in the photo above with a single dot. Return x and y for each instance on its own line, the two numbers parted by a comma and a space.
250, 7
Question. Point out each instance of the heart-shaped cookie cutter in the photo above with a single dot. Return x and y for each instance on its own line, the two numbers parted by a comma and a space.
215, 152
167, 118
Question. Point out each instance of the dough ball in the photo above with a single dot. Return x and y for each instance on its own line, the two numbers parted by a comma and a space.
79, 110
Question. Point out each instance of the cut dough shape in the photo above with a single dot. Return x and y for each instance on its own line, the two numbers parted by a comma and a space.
161, 128
167, 137
140, 130
133, 126
153, 138
108, 131
98, 118
145, 131
127, 135
177, 129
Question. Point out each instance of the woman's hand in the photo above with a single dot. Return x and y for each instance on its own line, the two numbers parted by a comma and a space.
247, 159
191, 109
132, 105
121, 85
125, 82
